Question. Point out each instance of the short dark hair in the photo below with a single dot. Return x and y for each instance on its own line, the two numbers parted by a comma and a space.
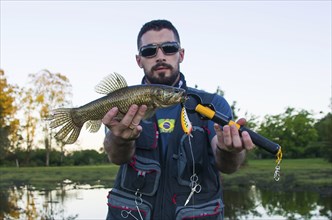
157, 25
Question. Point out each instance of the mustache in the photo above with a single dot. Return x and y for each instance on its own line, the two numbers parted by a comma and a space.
166, 65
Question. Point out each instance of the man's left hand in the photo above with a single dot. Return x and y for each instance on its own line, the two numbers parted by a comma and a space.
229, 138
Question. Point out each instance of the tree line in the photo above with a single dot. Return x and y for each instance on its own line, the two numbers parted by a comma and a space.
25, 137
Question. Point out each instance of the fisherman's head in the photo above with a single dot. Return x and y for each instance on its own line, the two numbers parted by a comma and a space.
159, 52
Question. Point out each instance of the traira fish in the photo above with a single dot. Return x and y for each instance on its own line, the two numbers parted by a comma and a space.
120, 95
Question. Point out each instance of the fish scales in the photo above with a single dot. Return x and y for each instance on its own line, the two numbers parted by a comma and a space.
122, 99
120, 96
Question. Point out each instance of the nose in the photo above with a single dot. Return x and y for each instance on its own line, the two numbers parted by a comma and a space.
160, 55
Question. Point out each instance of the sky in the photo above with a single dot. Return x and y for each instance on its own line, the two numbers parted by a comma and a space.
265, 55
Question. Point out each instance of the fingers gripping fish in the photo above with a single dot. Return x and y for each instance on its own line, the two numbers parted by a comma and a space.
118, 94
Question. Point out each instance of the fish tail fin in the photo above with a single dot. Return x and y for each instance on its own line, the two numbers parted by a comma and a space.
69, 131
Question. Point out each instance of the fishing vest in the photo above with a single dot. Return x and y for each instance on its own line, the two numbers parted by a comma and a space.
156, 186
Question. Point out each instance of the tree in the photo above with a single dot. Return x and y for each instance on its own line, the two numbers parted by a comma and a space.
87, 157
51, 90
8, 123
292, 130
324, 129
29, 120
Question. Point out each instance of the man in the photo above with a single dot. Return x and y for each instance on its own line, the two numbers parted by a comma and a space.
165, 173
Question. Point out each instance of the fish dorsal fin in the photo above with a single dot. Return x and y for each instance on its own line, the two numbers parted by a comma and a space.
111, 83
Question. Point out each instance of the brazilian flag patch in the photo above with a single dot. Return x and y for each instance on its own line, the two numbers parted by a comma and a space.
166, 125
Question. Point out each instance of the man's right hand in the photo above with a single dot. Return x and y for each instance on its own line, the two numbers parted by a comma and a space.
128, 128
119, 141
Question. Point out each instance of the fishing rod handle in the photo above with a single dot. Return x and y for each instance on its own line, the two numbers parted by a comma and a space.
223, 120
261, 141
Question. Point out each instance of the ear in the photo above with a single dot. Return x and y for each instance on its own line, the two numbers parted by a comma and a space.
138, 60
181, 52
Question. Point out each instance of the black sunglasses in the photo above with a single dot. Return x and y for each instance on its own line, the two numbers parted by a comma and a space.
168, 48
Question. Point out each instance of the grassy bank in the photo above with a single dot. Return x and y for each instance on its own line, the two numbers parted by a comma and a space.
296, 174
50, 177
301, 174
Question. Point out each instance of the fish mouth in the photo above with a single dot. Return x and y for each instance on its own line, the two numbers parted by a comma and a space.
182, 97
185, 98
180, 93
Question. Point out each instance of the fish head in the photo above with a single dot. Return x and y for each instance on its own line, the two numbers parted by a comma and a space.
165, 96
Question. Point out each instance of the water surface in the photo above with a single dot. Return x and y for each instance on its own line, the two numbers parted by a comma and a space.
70, 201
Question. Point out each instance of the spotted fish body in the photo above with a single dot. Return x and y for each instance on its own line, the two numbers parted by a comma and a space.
118, 95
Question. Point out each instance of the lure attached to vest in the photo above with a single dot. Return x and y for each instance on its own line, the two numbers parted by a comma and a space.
185, 122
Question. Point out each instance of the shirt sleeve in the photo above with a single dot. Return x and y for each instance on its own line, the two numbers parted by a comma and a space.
221, 105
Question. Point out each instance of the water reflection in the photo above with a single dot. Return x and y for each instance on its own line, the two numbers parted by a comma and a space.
67, 201
70, 201
254, 203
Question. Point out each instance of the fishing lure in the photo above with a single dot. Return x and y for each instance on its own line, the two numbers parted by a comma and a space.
185, 122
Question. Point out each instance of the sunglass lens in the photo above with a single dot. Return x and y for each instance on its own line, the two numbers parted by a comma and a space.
148, 51
170, 48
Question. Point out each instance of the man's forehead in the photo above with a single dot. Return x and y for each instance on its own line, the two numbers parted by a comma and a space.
161, 36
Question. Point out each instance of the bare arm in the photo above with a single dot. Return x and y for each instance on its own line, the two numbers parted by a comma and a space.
230, 148
119, 142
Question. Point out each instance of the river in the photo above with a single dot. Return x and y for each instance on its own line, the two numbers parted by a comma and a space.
70, 201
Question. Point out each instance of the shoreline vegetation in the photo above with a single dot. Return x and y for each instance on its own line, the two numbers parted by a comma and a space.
296, 175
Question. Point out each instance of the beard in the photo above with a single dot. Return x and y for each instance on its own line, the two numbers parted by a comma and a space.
161, 77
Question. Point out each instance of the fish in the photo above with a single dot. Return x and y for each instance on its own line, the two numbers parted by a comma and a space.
118, 94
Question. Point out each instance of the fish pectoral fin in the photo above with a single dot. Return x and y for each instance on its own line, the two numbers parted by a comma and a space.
149, 113
111, 83
93, 125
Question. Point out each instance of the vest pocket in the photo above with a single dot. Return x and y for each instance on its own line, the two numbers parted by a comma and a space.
208, 211
122, 205
141, 175
148, 140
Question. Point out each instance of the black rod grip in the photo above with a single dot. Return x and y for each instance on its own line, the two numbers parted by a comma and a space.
261, 141
223, 120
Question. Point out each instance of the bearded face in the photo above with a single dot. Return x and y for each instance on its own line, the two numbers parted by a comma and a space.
162, 73
161, 67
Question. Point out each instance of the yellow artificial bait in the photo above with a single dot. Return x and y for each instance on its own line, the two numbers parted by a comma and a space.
185, 122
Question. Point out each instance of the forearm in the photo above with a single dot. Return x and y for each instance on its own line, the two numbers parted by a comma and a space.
229, 162
119, 151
